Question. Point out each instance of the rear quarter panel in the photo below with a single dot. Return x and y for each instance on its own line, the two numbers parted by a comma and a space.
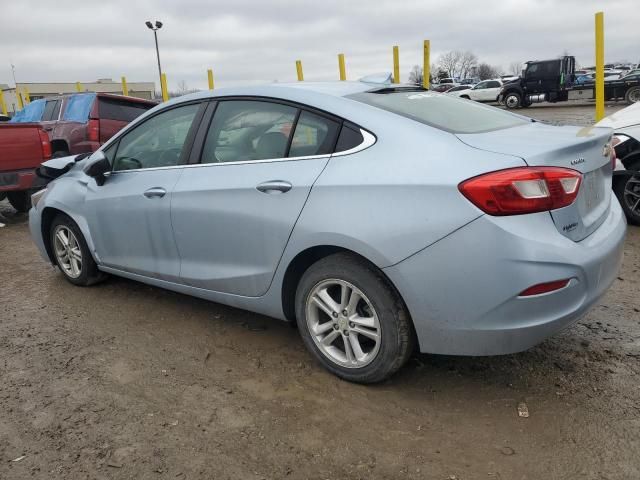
396, 197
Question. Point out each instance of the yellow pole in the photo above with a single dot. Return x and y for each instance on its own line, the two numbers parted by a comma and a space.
426, 69
27, 97
19, 98
2, 104
396, 65
210, 78
299, 70
163, 86
599, 66
78, 87
343, 71
125, 89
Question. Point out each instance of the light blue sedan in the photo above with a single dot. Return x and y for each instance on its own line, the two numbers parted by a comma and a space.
381, 218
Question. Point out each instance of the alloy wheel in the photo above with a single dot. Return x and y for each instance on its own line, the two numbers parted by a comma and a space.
343, 323
67, 251
632, 194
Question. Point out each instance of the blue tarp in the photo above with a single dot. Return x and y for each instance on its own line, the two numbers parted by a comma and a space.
78, 107
30, 113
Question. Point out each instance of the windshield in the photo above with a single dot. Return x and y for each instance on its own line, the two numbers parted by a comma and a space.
441, 111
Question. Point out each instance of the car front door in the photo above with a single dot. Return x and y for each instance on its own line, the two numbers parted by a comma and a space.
477, 92
234, 210
129, 215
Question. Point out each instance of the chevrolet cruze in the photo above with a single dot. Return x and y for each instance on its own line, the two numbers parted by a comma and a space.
380, 218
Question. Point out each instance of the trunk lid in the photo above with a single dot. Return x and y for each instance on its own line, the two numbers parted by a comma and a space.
579, 148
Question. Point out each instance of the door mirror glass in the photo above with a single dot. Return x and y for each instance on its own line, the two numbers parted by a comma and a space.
98, 166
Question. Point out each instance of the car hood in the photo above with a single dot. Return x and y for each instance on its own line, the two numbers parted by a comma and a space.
626, 117
57, 167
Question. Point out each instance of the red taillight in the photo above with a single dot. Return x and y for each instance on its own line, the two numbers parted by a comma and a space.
45, 144
522, 190
93, 131
541, 288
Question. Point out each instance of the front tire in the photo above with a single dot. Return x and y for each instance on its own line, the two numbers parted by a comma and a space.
628, 193
352, 320
512, 101
71, 253
21, 201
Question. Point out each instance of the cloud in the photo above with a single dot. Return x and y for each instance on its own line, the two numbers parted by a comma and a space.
251, 41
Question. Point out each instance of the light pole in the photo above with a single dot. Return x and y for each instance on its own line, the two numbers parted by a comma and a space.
155, 27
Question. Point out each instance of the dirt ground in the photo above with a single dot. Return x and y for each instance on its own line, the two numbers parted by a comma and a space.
126, 381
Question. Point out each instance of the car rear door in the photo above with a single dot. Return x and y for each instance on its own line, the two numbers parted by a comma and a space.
233, 211
129, 216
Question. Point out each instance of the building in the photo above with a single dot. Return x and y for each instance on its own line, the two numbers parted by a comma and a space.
43, 90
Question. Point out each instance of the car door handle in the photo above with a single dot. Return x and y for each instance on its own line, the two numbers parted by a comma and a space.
274, 186
48, 129
155, 192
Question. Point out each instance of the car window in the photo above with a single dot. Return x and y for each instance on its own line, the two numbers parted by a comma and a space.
124, 111
350, 137
493, 84
31, 112
50, 110
243, 130
480, 86
157, 142
444, 112
314, 135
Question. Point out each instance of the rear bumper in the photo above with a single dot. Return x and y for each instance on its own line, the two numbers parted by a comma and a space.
18, 180
462, 292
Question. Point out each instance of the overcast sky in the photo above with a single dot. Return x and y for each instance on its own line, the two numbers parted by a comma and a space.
251, 41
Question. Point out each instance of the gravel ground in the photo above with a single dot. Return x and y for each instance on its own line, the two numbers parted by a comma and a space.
126, 381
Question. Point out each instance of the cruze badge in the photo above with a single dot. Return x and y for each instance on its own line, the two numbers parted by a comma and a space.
577, 161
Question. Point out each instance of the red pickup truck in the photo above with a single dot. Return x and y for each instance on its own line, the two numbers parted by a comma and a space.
57, 127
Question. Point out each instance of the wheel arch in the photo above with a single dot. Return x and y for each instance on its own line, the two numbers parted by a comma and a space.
59, 144
304, 259
47, 216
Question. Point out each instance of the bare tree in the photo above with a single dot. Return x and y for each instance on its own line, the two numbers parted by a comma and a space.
515, 68
486, 71
468, 63
450, 62
416, 75
183, 88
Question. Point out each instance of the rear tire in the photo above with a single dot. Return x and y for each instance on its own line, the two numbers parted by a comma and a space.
466, 97
352, 320
60, 153
633, 95
71, 253
21, 201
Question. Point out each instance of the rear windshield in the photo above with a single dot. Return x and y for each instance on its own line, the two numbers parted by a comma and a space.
113, 109
441, 111
30, 113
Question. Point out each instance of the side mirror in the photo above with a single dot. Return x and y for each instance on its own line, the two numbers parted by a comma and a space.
99, 165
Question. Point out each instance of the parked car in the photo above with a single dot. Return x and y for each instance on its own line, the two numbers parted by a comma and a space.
74, 124
334, 205
459, 88
443, 87
24, 147
626, 141
485, 91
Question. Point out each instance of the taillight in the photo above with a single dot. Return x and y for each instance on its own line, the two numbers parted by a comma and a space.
521, 190
93, 131
45, 144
